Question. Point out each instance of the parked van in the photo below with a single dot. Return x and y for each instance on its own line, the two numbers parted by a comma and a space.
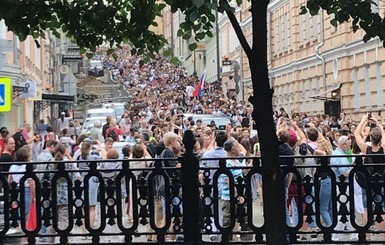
118, 107
100, 113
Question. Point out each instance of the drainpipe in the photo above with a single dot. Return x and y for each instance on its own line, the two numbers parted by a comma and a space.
241, 60
217, 43
318, 51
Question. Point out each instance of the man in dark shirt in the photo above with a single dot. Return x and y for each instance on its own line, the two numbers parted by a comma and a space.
9, 147
150, 147
284, 148
106, 126
173, 144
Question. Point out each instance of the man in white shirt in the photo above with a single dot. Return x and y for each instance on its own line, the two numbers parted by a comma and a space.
63, 121
190, 92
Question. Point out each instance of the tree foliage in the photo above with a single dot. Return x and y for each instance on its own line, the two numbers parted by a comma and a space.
91, 23
361, 13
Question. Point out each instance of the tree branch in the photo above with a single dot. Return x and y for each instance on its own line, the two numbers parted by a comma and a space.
241, 37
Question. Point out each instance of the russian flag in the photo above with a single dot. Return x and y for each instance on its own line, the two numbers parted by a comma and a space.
153, 81
199, 90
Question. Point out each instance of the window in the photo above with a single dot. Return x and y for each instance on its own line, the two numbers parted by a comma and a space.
379, 85
277, 33
308, 31
285, 31
315, 27
301, 33
367, 86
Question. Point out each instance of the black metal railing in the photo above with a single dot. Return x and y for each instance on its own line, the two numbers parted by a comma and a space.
184, 205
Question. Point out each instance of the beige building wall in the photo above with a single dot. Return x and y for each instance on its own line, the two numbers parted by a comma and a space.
24, 62
297, 73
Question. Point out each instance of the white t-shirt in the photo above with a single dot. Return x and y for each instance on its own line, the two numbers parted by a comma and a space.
65, 123
17, 177
190, 91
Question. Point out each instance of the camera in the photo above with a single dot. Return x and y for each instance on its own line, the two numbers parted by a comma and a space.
288, 122
369, 115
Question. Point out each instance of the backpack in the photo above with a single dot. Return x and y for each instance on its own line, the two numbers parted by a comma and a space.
111, 133
19, 140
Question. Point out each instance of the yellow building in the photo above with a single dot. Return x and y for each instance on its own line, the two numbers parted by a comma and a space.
23, 62
315, 67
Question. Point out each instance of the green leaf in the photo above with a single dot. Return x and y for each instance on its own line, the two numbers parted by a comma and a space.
140, 51
314, 11
200, 35
192, 46
334, 22
167, 52
211, 17
187, 35
146, 59
180, 33
209, 34
198, 3
194, 16
303, 10
89, 55
174, 60
110, 51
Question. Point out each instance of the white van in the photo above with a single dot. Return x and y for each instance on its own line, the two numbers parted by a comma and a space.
100, 113
118, 107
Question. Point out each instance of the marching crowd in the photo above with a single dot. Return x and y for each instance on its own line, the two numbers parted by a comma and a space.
154, 124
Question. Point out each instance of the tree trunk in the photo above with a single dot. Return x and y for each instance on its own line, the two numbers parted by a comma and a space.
273, 189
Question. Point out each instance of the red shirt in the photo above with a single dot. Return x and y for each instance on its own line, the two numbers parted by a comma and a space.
1, 146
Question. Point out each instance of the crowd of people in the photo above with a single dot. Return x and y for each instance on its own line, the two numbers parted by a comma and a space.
331, 136
153, 126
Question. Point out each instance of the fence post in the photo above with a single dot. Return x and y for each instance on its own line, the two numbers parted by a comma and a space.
190, 191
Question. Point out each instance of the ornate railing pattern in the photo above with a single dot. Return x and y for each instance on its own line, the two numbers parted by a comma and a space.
192, 209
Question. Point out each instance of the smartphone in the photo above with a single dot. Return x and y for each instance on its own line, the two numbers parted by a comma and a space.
288, 122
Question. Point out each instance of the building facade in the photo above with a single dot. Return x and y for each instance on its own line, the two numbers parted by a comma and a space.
22, 62
37, 62
318, 68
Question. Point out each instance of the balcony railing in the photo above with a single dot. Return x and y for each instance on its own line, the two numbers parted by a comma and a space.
163, 204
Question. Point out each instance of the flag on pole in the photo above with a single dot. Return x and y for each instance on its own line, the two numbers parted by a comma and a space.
153, 81
199, 90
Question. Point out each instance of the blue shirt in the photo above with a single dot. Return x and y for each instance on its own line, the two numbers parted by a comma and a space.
218, 152
339, 161
235, 172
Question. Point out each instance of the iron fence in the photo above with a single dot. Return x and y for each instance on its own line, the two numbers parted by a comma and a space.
184, 205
